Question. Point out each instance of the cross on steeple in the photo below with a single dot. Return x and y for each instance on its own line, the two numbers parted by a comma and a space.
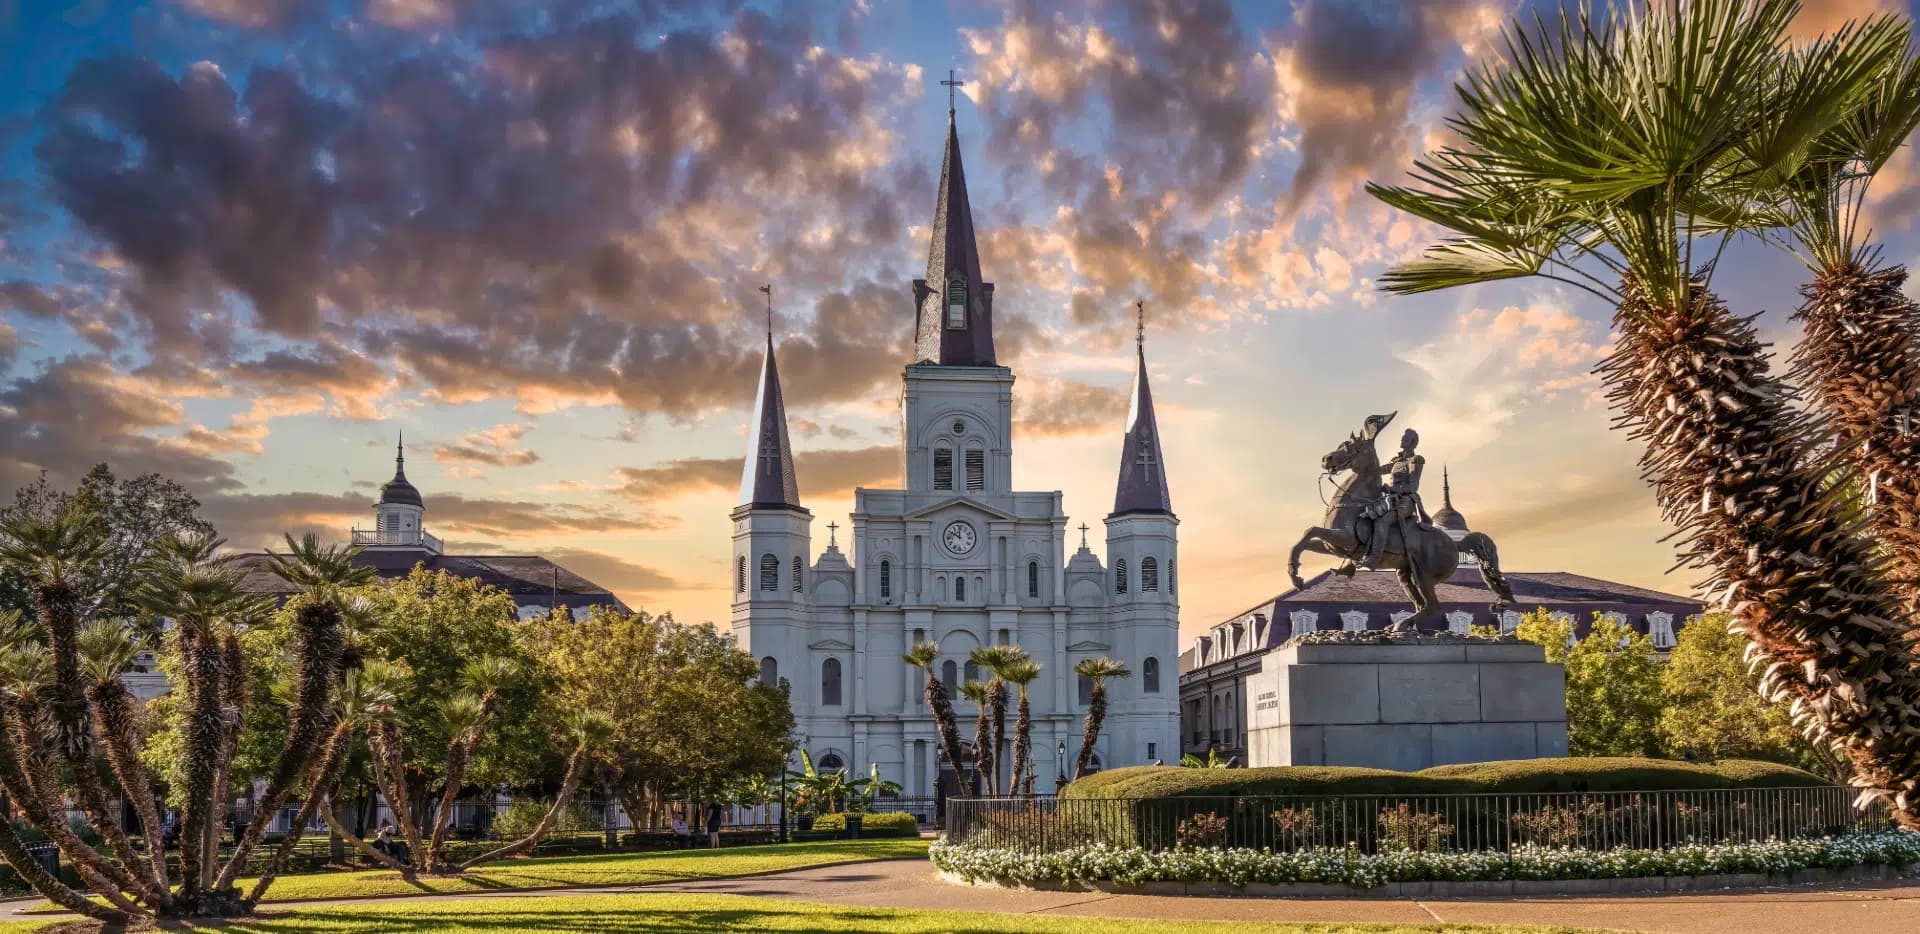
1140, 326
833, 534
1083, 535
951, 84
767, 290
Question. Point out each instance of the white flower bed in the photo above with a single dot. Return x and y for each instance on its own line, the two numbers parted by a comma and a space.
1239, 867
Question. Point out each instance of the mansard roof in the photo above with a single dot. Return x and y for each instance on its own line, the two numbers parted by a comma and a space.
953, 256
767, 478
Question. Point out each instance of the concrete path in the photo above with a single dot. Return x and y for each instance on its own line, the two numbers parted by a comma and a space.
912, 883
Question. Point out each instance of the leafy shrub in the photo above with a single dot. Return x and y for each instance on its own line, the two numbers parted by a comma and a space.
1404, 829
1294, 828
898, 824
523, 815
1570, 825
1202, 830
1515, 776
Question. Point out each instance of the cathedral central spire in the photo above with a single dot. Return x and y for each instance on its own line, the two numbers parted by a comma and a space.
954, 304
767, 478
1142, 487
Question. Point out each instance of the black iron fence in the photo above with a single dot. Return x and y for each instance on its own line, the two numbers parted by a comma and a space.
1377, 823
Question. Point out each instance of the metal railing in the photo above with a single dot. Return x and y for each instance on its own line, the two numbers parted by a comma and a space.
1377, 823
418, 538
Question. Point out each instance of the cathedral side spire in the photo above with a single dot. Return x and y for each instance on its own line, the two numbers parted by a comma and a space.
954, 302
1142, 487
767, 477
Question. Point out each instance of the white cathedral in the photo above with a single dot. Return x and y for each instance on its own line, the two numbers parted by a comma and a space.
957, 556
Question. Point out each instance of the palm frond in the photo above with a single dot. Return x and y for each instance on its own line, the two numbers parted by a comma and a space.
107, 648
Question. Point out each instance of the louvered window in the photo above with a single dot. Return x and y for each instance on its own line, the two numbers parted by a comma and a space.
1120, 576
1149, 575
976, 470
956, 304
769, 572
740, 576
943, 468
799, 571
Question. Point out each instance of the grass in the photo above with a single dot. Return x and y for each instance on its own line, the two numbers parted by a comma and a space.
554, 872
690, 914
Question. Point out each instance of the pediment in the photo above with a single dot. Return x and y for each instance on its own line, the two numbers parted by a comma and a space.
952, 501
1089, 646
833, 645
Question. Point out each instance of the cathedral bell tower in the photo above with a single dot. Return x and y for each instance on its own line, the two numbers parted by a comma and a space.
771, 532
1142, 546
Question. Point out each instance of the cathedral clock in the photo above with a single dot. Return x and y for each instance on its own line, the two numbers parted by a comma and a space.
959, 537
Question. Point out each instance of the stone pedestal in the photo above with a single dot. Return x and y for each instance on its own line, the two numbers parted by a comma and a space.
1405, 705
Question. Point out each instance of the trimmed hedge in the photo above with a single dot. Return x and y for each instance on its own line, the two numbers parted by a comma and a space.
1517, 776
891, 824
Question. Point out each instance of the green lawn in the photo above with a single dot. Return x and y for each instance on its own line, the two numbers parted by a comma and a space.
554, 872
695, 914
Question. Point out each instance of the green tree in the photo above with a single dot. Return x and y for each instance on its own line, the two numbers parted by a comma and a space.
1096, 670
1616, 151
924, 656
1711, 708
1021, 675
1613, 684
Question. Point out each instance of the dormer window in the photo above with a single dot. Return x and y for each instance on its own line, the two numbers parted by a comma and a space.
957, 304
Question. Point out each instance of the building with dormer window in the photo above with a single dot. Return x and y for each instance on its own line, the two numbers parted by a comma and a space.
956, 556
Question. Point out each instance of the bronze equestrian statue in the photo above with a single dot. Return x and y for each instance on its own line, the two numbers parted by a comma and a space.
1385, 527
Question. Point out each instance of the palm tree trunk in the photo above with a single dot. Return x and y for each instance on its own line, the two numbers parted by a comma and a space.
1732, 469
997, 699
317, 627
1860, 359
324, 776
49, 887
389, 754
942, 707
1022, 740
28, 780
1090, 733
331, 812
113, 711
205, 727
567, 787
982, 753
233, 694
459, 755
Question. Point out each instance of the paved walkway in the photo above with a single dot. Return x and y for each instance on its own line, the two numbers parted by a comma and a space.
1864, 909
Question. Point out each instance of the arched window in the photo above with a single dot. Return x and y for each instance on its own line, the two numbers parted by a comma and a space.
1120, 576
976, 468
957, 303
1085, 690
1173, 577
741, 575
886, 580
1150, 675
919, 636
830, 683
831, 762
972, 671
943, 468
769, 572
950, 675
1149, 575
1033, 579
960, 589
799, 572
769, 672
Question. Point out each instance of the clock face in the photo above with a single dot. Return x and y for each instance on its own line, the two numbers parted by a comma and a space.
959, 537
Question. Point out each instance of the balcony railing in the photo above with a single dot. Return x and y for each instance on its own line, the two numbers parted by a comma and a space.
414, 539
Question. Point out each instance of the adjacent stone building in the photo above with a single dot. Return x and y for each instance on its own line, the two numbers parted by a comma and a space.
957, 556
1215, 667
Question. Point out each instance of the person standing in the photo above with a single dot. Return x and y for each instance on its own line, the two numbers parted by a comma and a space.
715, 815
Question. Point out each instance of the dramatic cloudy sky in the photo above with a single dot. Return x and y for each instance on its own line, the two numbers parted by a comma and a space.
246, 242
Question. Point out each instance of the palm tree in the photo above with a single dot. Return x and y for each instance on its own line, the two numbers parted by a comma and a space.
1859, 357
465, 715
107, 649
1020, 674
589, 731
995, 659
976, 691
1600, 154
1096, 670
923, 657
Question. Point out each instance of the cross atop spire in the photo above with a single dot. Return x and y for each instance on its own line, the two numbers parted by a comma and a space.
951, 84
767, 290
1083, 536
1140, 326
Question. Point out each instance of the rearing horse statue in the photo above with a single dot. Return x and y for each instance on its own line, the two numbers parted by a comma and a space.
1429, 558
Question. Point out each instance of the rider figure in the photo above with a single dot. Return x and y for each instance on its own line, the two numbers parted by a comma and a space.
1400, 501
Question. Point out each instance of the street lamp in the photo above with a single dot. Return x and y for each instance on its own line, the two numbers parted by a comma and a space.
1060, 751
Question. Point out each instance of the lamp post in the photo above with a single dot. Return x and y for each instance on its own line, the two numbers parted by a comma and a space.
1060, 752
